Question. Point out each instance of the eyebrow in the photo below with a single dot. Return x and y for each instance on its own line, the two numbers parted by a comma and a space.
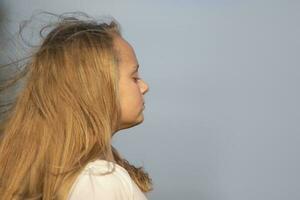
136, 68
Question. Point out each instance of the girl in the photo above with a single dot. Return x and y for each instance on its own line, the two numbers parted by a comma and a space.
82, 86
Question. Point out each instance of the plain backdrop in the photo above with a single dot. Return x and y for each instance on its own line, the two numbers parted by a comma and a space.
222, 113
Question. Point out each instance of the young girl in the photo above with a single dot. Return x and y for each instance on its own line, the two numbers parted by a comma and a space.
82, 86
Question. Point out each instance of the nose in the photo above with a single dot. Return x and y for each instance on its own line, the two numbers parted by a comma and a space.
145, 87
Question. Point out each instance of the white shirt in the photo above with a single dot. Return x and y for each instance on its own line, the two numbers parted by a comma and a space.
92, 185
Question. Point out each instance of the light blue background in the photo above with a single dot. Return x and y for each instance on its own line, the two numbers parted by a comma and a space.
222, 113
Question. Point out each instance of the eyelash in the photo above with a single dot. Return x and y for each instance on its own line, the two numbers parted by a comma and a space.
136, 79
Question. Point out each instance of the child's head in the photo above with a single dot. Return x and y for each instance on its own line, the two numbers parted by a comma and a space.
82, 86
99, 65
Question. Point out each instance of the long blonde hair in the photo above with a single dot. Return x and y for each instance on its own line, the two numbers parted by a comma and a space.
65, 115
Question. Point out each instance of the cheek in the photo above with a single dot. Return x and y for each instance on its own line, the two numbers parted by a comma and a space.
133, 96
132, 87
130, 93
127, 93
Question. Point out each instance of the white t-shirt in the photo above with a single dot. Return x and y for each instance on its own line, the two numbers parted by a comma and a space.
117, 185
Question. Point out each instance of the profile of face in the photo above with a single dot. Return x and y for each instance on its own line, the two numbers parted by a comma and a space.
131, 87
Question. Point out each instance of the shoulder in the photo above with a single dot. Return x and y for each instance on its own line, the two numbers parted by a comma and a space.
95, 182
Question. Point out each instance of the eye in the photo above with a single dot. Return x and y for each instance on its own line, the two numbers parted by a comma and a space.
136, 79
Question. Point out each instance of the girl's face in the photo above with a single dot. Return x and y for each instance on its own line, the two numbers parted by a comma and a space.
132, 87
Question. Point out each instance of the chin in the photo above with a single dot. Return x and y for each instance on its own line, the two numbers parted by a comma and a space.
133, 123
139, 120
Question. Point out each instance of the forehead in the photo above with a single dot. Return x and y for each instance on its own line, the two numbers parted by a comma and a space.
126, 52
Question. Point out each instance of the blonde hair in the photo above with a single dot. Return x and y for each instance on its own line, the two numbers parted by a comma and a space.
65, 115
